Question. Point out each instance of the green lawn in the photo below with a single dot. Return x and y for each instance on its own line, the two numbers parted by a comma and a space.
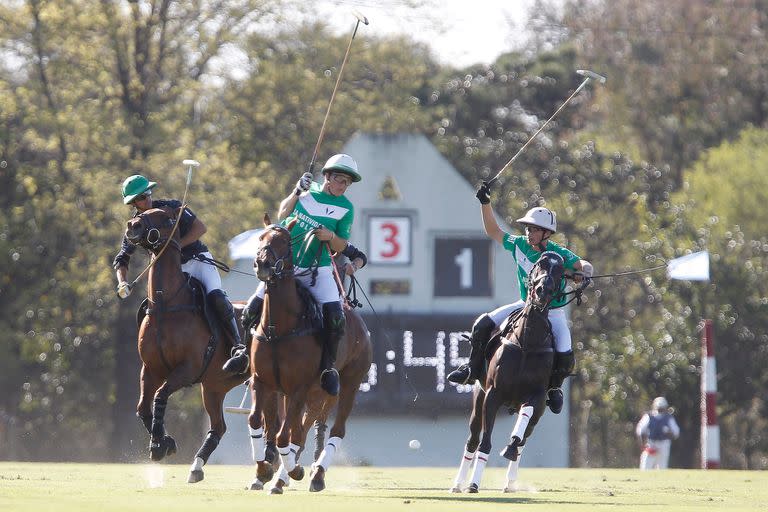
132, 487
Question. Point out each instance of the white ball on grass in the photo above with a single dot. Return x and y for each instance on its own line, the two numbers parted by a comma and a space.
415, 444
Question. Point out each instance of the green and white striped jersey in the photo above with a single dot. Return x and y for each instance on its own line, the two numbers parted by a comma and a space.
313, 209
526, 257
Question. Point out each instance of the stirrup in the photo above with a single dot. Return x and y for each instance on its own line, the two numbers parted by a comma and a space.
239, 361
461, 375
329, 381
555, 400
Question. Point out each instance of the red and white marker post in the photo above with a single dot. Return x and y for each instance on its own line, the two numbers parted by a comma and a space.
710, 430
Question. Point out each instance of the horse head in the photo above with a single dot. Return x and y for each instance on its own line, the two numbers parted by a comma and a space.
152, 229
274, 259
545, 280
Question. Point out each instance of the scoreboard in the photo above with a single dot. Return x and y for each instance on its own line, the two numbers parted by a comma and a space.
413, 354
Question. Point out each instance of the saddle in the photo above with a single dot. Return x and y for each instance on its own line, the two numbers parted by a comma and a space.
199, 305
311, 319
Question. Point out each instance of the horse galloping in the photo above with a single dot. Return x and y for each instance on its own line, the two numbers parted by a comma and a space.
176, 343
521, 360
286, 356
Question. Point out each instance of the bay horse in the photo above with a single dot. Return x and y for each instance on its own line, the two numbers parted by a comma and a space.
176, 345
521, 360
285, 357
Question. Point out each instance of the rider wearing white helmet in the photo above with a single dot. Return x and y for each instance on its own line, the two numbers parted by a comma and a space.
540, 224
324, 209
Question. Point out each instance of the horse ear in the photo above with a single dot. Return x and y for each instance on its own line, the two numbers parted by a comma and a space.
267, 221
290, 225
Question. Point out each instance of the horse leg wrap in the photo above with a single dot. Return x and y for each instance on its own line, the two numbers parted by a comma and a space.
287, 457
326, 458
480, 463
210, 444
523, 417
258, 447
464, 466
320, 429
158, 418
512, 468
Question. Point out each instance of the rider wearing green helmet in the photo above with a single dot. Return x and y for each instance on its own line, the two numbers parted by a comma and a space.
324, 209
195, 257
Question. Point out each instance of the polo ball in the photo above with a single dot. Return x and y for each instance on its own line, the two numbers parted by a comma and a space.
414, 444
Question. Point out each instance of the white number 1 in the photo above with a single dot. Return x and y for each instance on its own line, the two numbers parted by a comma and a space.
464, 261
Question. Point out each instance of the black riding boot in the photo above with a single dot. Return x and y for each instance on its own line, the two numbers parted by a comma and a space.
226, 314
238, 363
481, 334
333, 330
562, 368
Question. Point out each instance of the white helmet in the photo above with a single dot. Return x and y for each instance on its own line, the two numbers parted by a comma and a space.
344, 164
541, 217
660, 403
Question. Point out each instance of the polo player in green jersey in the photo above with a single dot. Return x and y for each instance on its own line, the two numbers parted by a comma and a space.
540, 223
321, 208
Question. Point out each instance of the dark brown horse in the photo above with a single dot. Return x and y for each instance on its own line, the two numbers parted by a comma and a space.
285, 357
176, 345
518, 375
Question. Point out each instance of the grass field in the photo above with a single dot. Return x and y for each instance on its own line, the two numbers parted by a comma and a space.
132, 487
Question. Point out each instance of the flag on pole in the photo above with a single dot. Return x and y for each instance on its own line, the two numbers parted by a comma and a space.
692, 267
245, 245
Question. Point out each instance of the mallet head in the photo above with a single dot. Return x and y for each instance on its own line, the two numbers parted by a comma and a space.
360, 17
193, 163
591, 74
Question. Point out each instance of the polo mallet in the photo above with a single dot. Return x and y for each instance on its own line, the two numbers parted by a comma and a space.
590, 75
360, 18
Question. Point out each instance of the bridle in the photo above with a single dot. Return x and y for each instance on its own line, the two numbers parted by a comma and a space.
279, 266
543, 286
150, 236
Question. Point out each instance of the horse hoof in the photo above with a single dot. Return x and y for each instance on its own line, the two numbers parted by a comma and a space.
278, 488
318, 480
455, 490
473, 489
264, 471
257, 485
508, 489
170, 446
156, 452
297, 473
511, 452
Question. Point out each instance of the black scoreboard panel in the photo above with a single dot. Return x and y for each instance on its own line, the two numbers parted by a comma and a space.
412, 356
463, 267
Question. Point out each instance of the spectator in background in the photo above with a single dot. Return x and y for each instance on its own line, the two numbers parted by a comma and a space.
655, 431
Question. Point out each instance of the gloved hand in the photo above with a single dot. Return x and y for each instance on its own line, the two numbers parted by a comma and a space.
123, 290
484, 193
304, 183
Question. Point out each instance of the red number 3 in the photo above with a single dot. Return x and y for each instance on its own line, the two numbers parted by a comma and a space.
391, 239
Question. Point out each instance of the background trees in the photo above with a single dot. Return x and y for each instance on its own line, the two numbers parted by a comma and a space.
666, 159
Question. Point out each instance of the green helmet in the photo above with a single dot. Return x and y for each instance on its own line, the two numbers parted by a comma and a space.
344, 164
134, 186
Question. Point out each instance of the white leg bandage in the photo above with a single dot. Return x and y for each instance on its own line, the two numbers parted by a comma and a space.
287, 457
466, 463
523, 417
513, 467
257, 444
197, 464
481, 460
326, 458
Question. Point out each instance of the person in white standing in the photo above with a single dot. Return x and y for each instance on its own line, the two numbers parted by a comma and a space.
655, 431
